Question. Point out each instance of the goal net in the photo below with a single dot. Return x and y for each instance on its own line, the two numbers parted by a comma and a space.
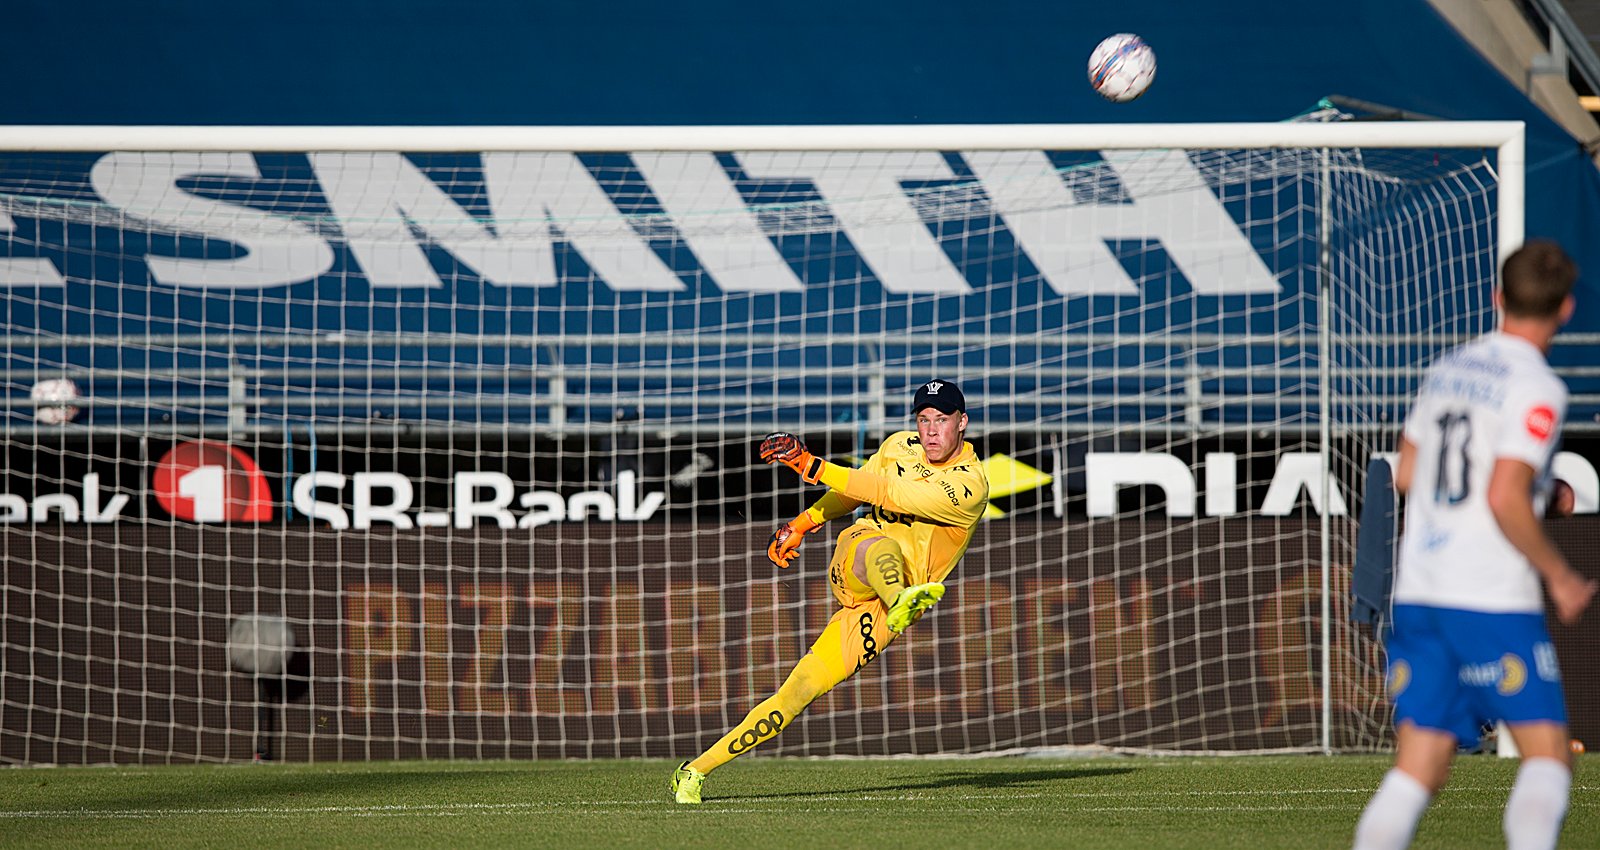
448, 450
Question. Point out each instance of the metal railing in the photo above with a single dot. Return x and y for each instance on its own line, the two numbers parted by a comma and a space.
1169, 391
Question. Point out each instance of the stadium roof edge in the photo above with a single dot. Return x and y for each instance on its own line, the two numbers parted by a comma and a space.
1499, 32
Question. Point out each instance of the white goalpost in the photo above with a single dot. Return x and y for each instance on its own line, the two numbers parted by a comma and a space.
455, 427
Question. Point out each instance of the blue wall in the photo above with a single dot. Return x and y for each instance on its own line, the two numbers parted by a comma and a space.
504, 62
507, 62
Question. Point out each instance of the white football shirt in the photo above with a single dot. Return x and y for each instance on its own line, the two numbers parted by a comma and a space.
1495, 397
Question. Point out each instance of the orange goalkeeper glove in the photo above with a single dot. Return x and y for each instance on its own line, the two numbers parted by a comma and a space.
786, 539
789, 451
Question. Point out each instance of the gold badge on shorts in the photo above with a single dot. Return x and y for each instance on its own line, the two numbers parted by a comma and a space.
1513, 675
1399, 677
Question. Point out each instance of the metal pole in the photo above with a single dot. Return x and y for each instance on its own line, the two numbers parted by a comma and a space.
1324, 436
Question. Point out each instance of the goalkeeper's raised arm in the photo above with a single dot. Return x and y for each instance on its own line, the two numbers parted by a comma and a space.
928, 492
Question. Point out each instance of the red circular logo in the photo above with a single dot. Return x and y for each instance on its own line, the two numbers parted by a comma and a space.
1540, 422
202, 481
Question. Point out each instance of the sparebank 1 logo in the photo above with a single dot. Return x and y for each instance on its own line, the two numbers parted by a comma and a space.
392, 214
203, 481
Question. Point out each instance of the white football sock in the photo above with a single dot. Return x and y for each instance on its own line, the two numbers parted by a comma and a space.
1538, 804
1391, 817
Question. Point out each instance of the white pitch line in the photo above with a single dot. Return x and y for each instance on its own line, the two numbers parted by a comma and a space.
453, 809
1319, 808
713, 809
436, 808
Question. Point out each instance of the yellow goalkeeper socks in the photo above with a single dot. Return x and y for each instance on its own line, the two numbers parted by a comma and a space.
810, 679
763, 722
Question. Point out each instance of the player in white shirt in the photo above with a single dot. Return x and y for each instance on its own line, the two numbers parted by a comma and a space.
1470, 644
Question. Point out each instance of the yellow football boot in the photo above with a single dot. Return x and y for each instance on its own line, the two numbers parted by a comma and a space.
911, 602
686, 782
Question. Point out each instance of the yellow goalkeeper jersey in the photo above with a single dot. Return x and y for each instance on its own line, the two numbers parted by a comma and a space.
931, 511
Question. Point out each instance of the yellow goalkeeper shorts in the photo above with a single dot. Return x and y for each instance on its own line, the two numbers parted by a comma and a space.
859, 630
856, 547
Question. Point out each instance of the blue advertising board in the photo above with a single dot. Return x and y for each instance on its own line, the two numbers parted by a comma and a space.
822, 266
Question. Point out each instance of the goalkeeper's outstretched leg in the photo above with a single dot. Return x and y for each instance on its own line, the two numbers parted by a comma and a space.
854, 637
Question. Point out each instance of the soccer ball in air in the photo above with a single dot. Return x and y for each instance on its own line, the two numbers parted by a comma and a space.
260, 644
1122, 67
52, 401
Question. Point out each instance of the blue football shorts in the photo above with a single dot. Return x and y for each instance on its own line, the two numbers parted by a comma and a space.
1454, 670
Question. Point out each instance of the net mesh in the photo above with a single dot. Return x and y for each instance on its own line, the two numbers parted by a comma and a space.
476, 433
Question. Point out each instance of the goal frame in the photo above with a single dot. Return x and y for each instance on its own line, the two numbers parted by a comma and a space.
1505, 138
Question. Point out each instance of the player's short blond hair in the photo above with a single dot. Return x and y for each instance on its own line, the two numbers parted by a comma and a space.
1536, 279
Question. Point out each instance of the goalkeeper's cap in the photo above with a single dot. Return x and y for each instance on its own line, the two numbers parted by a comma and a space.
943, 396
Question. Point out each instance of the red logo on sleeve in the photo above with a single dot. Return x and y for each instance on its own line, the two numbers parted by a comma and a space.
1540, 422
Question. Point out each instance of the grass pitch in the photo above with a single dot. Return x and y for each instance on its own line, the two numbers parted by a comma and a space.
1111, 802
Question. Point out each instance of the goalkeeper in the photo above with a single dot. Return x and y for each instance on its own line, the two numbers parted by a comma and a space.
927, 491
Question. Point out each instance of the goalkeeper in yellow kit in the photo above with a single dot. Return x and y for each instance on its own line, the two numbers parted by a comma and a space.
927, 491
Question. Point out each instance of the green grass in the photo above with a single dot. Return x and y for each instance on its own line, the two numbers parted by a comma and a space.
1145, 803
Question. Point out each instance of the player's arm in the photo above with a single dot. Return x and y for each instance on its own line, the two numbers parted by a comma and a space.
950, 498
1417, 424
1511, 501
832, 505
1406, 466
786, 539
1530, 425
954, 498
